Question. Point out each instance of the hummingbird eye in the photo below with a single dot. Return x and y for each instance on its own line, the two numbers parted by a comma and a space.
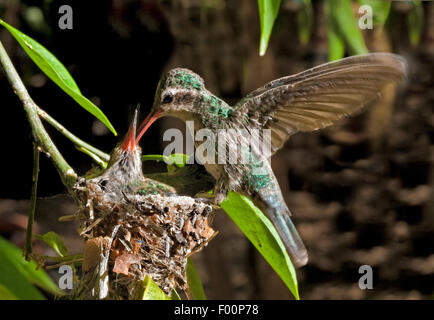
168, 98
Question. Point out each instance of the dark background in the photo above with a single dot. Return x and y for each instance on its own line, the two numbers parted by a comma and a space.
361, 192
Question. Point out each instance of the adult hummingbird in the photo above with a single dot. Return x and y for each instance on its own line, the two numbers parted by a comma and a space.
306, 101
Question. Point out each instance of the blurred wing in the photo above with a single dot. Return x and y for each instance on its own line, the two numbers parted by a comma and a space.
318, 97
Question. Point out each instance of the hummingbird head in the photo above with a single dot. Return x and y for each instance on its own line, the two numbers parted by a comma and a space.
178, 92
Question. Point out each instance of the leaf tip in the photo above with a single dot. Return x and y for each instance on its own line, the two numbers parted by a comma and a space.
262, 49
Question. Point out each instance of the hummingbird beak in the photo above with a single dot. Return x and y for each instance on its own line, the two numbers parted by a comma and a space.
150, 118
129, 142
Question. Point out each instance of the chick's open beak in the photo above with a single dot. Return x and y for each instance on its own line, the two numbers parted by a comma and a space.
149, 120
129, 142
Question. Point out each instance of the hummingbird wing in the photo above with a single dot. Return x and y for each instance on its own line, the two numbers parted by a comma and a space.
318, 97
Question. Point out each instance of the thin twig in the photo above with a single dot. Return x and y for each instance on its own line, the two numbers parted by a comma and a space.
81, 145
29, 232
55, 266
59, 259
103, 164
42, 139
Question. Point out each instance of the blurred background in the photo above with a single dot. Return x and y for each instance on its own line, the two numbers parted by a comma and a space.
361, 192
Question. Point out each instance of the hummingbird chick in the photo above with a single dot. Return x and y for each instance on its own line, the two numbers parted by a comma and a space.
306, 101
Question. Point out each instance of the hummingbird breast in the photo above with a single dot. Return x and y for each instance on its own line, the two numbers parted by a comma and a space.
235, 157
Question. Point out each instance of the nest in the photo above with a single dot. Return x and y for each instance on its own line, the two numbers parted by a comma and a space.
130, 236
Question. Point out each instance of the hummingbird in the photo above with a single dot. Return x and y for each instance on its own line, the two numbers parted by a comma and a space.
307, 101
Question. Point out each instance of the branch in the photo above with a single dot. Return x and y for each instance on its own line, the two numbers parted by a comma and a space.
40, 135
29, 232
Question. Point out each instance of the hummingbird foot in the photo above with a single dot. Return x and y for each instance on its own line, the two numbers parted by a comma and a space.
220, 191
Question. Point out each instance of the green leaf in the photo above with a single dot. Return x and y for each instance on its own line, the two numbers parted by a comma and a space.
6, 294
261, 232
57, 72
174, 295
19, 276
346, 25
415, 22
305, 22
179, 159
151, 291
336, 43
54, 241
194, 282
34, 16
153, 157
176, 160
380, 10
268, 10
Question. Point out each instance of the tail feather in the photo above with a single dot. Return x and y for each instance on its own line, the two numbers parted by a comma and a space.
280, 216
290, 238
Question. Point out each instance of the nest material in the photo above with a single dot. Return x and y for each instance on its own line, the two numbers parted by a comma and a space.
130, 236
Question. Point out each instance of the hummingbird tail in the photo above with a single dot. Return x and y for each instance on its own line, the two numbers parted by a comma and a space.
289, 235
